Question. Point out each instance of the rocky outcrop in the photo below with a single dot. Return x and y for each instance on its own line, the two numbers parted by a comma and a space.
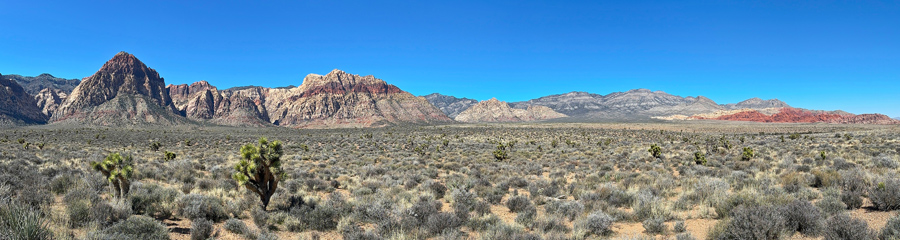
49, 99
756, 103
33, 85
337, 99
347, 100
796, 115
575, 104
16, 106
123, 92
450, 105
494, 110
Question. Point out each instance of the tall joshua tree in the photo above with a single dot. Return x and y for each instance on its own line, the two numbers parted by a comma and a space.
118, 170
260, 169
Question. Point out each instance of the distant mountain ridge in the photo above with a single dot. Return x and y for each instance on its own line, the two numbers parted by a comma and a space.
450, 105
127, 92
33, 85
493, 110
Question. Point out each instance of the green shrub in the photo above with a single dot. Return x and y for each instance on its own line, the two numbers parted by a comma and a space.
518, 203
655, 151
235, 226
747, 154
153, 200
754, 222
654, 225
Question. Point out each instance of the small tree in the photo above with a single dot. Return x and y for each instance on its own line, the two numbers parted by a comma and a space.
260, 169
747, 154
655, 150
501, 153
118, 170
699, 158
170, 156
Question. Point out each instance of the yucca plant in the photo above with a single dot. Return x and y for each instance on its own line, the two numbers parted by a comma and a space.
260, 169
118, 170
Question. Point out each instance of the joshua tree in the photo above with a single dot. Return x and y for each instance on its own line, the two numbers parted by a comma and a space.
655, 150
747, 154
501, 153
260, 169
118, 170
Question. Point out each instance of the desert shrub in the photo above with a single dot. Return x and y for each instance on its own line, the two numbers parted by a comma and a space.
654, 225
518, 203
35, 197
831, 203
436, 188
754, 222
825, 178
370, 212
550, 225
483, 223
62, 183
655, 151
503, 231
596, 224
260, 218
136, 227
320, 217
679, 227
193, 206
885, 195
543, 188
441, 222
152, 199
884, 161
723, 207
201, 229
615, 196
463, 198
235, 226
648, 205
844, 227
526, 216
104, 213
354, 232
891, 229
684, 236
18, 221
803, 217
566, 209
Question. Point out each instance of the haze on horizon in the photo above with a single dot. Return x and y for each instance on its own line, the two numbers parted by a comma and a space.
813, 55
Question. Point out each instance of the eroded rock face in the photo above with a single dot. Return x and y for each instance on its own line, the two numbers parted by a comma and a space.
48, 100
797, 115
450, 105
16, 106
123, 91
347, 100
757, 103
337, 99
494, 110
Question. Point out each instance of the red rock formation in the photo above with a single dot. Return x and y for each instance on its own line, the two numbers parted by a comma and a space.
123, 91
796, 115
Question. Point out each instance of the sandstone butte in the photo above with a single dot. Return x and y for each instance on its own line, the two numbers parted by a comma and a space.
797, 115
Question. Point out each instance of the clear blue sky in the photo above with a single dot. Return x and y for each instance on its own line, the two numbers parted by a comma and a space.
812, 54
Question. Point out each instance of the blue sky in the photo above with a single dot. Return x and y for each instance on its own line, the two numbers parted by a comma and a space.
812, 54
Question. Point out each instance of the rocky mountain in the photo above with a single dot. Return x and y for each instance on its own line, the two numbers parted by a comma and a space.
33, 85
633, 104
572, 104
49, 99
494, 110
450, 105
797, 115
17, 106
123, 92
340, 98
756, 103
337, 99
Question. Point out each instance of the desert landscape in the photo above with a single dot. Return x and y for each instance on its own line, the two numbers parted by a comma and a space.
123, 156
449, 120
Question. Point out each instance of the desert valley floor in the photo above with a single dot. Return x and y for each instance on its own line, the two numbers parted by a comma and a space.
709, 180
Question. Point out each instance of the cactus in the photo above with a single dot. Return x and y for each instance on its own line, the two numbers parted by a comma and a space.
260, 169
118, 170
